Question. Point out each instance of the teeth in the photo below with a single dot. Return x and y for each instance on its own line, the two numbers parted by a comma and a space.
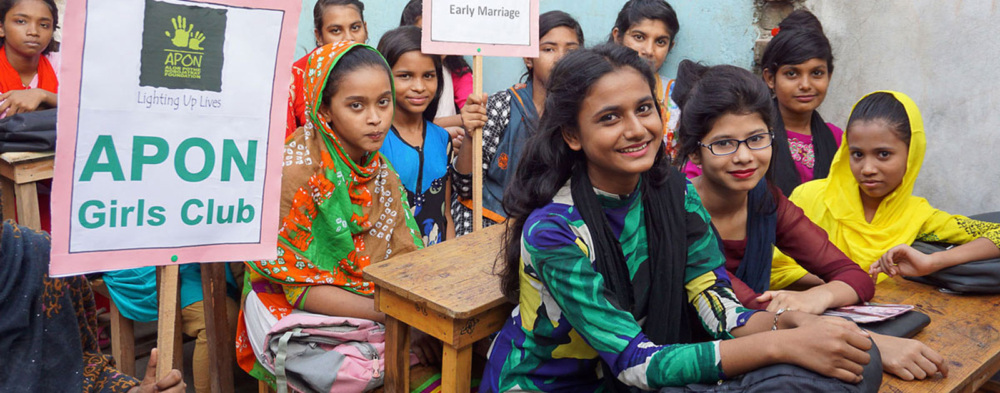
635, 149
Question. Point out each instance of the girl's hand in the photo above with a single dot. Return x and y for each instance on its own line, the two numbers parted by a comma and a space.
834, 347
457, 136
813, 301
903, 260
909, 359
21, 101
474, 113
173, 382
427, 348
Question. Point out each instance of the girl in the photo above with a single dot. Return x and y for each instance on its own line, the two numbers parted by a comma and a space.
797, 66
728, 109
507, 119
650, 27
343, 206
419, 149
456, 75
867, 206
28, 61
611, 258
335, 21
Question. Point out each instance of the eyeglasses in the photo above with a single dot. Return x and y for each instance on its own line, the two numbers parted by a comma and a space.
726, 147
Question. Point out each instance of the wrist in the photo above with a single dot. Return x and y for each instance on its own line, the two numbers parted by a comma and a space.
792, 319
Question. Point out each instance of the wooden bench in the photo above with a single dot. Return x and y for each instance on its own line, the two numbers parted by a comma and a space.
448, 291
963, 329
18, 174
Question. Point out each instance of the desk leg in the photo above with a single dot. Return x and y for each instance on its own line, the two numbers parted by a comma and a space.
456, 369
122, 341
397, 356
7, 195
27, 205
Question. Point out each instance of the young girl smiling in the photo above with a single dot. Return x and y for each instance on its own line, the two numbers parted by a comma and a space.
419, 149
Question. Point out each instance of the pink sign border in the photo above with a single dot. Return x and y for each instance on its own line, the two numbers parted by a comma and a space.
469, 49
63, 262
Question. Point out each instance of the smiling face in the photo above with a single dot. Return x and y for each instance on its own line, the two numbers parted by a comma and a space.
360, 112
416, 82
341, 23
27, 28
649, 37
553, 46
800, 88
739, 171
620, 131
878, 159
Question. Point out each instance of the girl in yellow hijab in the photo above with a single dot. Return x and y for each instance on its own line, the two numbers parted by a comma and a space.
867, 206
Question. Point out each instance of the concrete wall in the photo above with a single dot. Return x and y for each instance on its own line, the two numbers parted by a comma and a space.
946, 56
715, 32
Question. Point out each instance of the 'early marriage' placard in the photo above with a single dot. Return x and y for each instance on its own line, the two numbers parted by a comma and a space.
481, 27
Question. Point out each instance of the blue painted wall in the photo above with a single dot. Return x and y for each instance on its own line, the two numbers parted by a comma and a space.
713, 32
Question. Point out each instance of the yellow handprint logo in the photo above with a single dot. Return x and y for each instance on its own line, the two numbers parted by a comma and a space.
182, 32
184, 36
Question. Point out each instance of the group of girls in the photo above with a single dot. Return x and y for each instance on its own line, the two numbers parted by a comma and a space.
626, 274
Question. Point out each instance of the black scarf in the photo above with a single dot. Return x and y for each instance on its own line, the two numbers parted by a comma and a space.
762, 223
657, 292
39, 335
824, 147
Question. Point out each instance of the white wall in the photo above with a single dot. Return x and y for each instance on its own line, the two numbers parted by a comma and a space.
946, 56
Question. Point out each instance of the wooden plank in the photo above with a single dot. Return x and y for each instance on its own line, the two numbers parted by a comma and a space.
27, 205
123, 341
454, 278
456, 332
397, 356
961, 330
169, 341
477, 150
221, 351
23, 156
33, 171
7, 199
456, 369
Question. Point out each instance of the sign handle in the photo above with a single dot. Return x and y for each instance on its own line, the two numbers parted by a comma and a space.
477, 150
168, 328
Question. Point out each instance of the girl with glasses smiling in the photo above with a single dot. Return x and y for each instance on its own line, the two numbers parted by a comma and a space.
724, 129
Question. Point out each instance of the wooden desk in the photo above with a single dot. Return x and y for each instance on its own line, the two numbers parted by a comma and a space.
963, 329
448, 291
18, 174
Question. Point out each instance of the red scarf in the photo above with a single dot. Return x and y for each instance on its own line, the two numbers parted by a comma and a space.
10, 79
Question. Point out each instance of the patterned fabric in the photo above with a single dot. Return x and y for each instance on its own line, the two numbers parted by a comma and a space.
48, 333
424, 172
338, 216
834, 203
297, 97
497, 117
670, 112
564, 326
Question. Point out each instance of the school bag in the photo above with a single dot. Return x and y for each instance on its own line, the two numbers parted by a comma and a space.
28, 132
971, 277
314, 353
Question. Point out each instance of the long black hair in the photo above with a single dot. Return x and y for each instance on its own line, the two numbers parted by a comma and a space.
401, 40
799, 39
883, 107
551, 20
708, 94
411, 13
635, 11
6, 5
547, 161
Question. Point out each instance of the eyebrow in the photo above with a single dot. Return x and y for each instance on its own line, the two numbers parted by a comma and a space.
44, 18
750, 134
615, 108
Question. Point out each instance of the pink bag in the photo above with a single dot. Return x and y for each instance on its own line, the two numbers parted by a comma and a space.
319, 353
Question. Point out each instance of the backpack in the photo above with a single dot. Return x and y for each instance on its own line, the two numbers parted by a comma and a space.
319, 353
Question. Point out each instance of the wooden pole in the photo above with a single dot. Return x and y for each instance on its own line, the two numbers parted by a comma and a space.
221, 350
477, 150
168, 329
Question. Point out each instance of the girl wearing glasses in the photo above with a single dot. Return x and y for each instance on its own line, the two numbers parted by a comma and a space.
727, 135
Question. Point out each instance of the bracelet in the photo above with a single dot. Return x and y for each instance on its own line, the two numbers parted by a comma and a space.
776, 315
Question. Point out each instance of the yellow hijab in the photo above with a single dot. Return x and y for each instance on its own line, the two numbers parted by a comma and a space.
834, 203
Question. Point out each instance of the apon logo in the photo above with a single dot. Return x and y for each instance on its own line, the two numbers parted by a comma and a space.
182, 46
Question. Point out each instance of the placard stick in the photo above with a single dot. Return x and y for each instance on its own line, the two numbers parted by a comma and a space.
168, 341
477, 150
220, 342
